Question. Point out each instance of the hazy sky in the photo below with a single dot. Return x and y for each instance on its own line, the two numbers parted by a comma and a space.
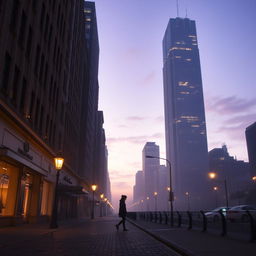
130, 76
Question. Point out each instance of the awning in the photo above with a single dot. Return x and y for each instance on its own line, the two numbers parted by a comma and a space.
74, 190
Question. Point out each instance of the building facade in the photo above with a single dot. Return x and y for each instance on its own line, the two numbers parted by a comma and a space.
233, 176
150, 168
44, 99
138, 189
250, 134
185, 128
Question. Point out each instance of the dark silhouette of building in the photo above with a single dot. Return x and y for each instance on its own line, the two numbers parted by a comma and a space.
138, 189
150, 168
250, 134
48, 105
186, 140
235, 172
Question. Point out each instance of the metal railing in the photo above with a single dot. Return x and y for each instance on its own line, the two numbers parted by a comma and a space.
218, 223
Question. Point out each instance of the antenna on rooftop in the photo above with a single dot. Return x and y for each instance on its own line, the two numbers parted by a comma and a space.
177, 4
186, 12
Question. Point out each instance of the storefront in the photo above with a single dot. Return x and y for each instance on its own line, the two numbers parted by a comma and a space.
20, 193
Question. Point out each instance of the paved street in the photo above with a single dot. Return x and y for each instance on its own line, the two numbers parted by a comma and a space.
199, 243
93, 238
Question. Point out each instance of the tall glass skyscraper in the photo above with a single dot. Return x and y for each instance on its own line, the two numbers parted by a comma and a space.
186, 141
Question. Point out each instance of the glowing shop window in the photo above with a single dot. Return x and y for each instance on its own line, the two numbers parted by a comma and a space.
8, 188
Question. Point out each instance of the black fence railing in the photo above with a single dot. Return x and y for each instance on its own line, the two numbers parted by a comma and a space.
241, 227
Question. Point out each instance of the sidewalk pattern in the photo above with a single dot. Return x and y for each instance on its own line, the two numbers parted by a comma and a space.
80, 238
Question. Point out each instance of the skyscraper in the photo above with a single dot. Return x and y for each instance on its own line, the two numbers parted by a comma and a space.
186, 141
150, 168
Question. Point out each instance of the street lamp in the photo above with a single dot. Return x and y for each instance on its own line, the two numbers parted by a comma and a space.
101, 204
147, 203
213, 175
155, 195
94, 187
171, 190
58, 162
216, 195
187, 194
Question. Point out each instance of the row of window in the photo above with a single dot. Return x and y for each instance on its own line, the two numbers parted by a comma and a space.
14, 86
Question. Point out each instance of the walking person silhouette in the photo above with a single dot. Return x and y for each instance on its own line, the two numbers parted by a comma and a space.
122, 212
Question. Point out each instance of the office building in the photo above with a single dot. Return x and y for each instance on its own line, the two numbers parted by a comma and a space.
44, 109
232, 173
150, 168
250, 134
186, 141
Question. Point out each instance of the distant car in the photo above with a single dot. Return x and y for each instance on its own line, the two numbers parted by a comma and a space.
214, 215
238, 213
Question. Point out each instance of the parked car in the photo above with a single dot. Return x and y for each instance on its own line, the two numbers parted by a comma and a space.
214, 215
239, 213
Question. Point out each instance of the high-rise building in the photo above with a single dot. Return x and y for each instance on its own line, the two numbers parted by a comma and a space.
250, 134
150, 168
186, 141
47, 101
138, 190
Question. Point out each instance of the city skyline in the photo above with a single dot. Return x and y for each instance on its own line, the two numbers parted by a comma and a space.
130, 76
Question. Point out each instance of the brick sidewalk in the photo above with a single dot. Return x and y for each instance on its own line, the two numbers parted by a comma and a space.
198, 243
88, 238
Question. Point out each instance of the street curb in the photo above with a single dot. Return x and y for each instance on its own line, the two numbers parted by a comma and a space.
172, 245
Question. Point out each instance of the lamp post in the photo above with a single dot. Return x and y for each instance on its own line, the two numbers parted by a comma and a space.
147, 203
155, 195
58, 162
171, 190
94, 187
101, 204
213, 175
216, 195
187, 194
105, 200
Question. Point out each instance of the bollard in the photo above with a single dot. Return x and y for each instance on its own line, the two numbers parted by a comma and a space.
224, 223
166, 217
151, 217
252, 227
204, 222
189, 220
179, 219
160, 217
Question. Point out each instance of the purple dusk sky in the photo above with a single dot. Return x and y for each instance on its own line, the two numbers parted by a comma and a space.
130, 76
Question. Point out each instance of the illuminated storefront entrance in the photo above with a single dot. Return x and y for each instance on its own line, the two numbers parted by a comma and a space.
20, 191
9, 176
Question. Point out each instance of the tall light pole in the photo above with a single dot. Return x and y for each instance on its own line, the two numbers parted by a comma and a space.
147, 203
94, 187
187, 194
155, 195
171, 190
216, 195
58, 162
213, 175
101, 204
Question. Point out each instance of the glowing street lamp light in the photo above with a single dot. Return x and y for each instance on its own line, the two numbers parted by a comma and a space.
58, 162
93, 187
171, 198
254, 178
212, 175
